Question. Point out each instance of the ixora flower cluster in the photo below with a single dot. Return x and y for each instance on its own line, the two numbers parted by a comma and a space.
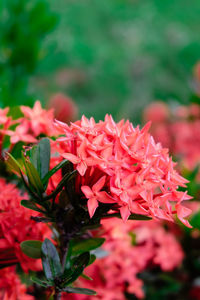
132, 247
123, 166
178, 129
32, 122
69, 189
16, 226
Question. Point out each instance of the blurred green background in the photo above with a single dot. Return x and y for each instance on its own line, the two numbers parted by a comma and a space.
109, 56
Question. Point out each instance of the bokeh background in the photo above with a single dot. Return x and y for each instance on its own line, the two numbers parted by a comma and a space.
111, 56
117, 57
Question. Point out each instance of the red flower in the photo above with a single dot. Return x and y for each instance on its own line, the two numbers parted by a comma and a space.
117, 272
65, 109
10, 286
40, 120
139, 175
15, 227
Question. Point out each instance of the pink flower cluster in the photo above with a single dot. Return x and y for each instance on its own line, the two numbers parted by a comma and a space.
16, 226
117, 272
123, 165
11, 287
178, 129
35, 121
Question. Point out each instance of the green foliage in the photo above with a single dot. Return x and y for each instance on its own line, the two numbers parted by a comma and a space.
56, 276
85, 245
122, 54
54, 170
32, 248
195, 221
50, 260
79, 291
23, 26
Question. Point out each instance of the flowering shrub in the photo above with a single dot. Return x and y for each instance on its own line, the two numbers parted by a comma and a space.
73, 186
131, 170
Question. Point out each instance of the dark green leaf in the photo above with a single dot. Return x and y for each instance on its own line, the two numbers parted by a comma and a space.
139, 217
50, 260
79, 247
81, 260
131, 217
92, 259
40, 282
195, 221
54, 170
78, 265
79, 291
33, 176
34, 157
31, 248
31, 205
60, 186
44, 156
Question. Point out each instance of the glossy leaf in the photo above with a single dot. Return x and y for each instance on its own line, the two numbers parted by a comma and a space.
54, 170
33, 176
50, 260
92, 259
31, 205
81, 260
43, 283
86, 245
44, 156
60, 186
86, 277
13, 164
32, 248
131, 217
79, 291
78, 265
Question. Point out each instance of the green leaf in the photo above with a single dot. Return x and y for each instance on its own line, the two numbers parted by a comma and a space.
139, 217
44, 156
79, 247
54, 170
195, 220
86, 277
78, 265
131, 217
60, 186
13, 164
50, 260
81, 260
33, 176
79, 291
31, 248
31, 205
92, 259
34, 157
40, 282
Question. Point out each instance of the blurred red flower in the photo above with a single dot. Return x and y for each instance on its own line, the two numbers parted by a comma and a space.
65, 109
